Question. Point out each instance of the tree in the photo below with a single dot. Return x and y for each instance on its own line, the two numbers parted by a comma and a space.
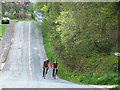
23, 5
81, 30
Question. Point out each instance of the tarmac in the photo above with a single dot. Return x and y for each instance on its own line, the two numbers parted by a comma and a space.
6, 42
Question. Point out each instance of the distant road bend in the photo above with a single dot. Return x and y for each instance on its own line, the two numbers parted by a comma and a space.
23, 68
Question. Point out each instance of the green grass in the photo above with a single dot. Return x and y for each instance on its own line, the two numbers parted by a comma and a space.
2, 30
90, 78
65, 73
115, 88
22, 19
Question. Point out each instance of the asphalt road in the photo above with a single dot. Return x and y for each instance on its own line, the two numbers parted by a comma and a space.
23, 68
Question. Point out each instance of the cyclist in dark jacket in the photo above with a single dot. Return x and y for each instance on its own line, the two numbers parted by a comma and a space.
55, 65
45, 64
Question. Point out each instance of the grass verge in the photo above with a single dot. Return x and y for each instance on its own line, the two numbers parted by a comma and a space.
2, 30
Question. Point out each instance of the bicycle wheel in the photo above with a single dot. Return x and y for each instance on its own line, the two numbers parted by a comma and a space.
44, 76
55, 74
44, 73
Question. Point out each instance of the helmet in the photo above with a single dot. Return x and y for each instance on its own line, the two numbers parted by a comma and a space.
55, 61
47, 60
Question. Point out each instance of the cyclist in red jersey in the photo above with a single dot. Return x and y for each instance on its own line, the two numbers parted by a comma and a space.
45, 64
55, 65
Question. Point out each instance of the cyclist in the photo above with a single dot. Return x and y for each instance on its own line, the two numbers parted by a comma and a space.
55, 65
45, 64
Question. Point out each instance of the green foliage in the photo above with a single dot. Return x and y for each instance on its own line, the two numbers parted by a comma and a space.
22, 19
8, 8
37, 6
9, 16
85, 37
65, 73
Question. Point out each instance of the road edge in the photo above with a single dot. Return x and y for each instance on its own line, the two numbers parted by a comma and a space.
9, 48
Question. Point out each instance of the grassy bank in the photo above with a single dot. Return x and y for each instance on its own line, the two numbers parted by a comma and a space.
115, 88
67, 74
2, 29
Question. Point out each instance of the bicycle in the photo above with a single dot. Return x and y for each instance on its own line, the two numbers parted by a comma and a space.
45, 72
54, 74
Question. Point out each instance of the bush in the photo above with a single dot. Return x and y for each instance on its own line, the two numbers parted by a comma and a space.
9, 16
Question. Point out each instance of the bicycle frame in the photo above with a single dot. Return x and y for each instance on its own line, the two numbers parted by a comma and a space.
55, 73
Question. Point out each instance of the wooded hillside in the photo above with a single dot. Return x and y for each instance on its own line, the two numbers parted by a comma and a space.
84, 35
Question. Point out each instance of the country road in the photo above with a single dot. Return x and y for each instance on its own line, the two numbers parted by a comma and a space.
23, 68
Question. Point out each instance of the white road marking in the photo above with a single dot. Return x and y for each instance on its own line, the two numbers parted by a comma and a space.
12, 39
29, 51
103, 86
3, 51
2, 66
35, 48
